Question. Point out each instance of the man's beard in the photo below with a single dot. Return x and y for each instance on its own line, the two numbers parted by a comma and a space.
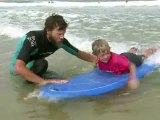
53, 41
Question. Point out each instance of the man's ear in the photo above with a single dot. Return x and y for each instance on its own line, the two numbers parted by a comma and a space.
48, 31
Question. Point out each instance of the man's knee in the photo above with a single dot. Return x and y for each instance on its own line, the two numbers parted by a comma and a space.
40, 66
43, 64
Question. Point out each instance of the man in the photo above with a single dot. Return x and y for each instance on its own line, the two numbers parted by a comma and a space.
29, 58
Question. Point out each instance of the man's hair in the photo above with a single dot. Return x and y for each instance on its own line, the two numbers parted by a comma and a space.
54, 21
100, 46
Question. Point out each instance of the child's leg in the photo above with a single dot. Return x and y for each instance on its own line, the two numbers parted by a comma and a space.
136, 59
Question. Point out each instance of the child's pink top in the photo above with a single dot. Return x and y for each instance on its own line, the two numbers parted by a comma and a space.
118, 64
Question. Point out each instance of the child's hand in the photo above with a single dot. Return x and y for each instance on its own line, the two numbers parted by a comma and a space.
133, 84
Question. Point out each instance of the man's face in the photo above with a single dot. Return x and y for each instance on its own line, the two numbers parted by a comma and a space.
56, 35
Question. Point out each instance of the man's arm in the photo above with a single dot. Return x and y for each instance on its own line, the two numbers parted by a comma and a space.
87, 56
80, 54
22, 70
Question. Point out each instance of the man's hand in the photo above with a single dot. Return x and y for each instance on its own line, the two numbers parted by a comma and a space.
87, 57
56, 81
52, 81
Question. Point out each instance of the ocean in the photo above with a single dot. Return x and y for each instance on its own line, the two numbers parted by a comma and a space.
123, 25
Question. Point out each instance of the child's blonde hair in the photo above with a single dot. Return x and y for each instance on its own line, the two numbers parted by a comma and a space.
100, 46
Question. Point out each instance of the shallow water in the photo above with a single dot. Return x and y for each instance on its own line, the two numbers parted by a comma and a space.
122, 26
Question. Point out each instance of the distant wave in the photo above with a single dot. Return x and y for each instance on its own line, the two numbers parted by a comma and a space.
82, 4
14, 32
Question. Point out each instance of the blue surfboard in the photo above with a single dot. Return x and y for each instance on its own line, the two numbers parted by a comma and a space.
91, 83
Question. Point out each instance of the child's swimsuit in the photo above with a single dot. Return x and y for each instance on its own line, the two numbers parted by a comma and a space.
136, 59
120, 64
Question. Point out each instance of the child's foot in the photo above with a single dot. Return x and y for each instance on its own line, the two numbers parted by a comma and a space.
148, 52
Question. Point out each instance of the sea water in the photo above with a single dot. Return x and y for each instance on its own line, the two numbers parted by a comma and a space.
123, 25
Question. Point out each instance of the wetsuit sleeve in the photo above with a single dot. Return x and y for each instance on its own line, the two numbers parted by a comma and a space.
69, 48
28, 45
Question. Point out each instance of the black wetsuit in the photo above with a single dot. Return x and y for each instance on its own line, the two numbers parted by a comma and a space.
34, 47
135, 59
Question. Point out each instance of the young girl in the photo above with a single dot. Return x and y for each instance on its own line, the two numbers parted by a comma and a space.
109, 61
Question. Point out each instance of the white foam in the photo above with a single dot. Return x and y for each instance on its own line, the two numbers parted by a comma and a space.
15, 31
34, 94
82, 4
81, 43
154, 59
86, 44
11, 31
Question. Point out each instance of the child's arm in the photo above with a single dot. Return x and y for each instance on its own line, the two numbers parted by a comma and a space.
133, 83
132, 75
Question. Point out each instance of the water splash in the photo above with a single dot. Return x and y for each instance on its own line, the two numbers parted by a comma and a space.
36, 94
154, 59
